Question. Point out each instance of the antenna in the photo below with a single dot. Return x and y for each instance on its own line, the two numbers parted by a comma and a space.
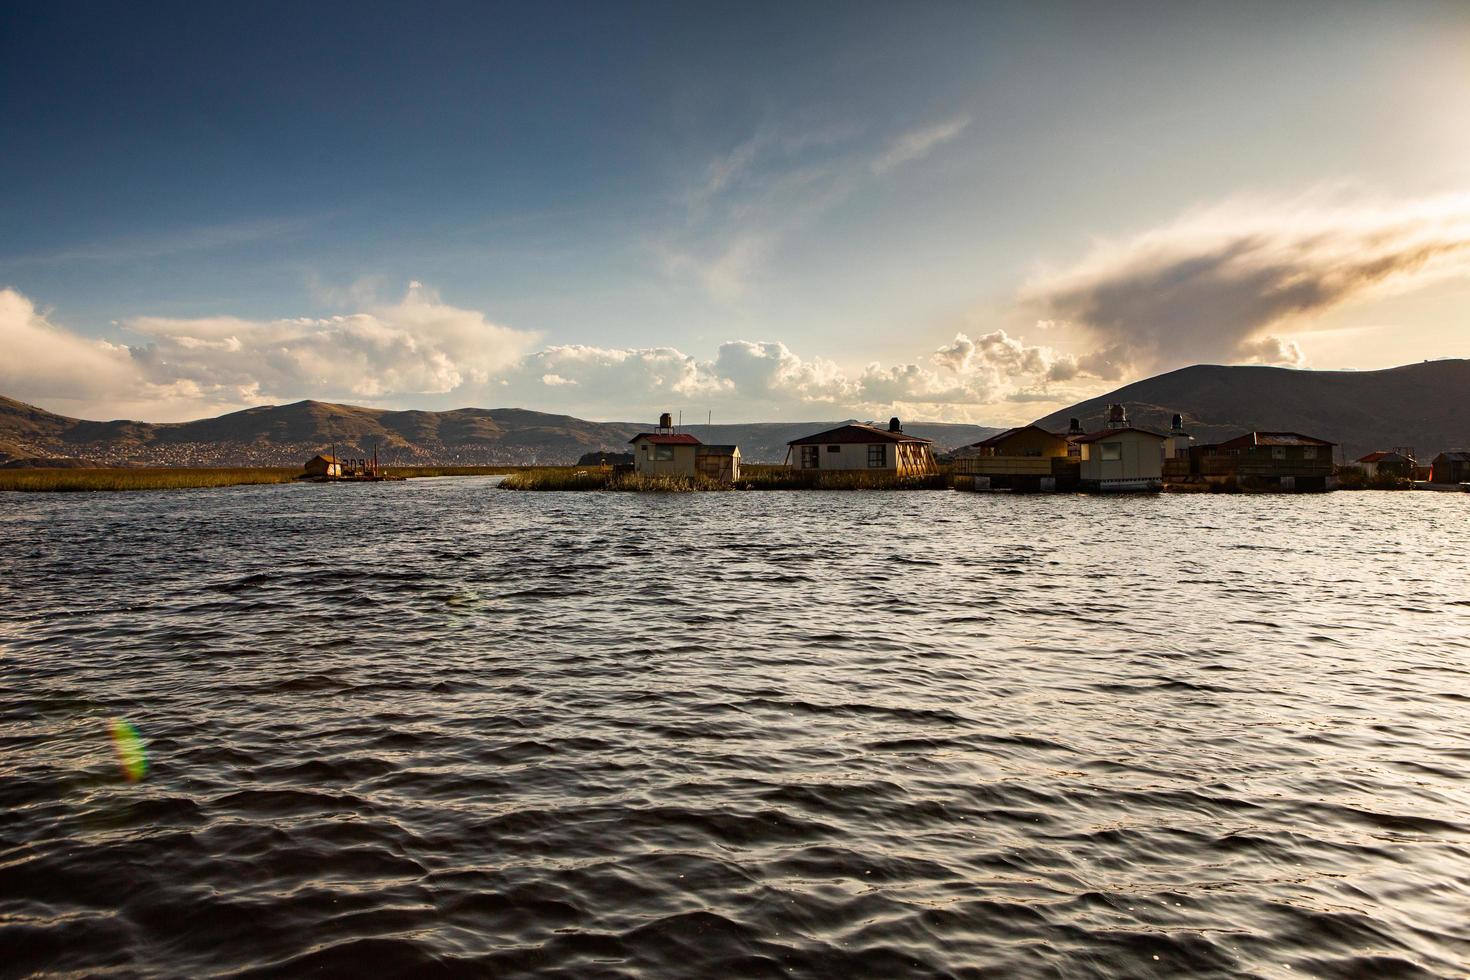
711, 419
681, 418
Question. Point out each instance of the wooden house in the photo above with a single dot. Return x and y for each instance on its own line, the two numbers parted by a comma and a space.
323, 466
1385, 464
1268, 460
1451, 467
1024, 458
720, 463
865, 448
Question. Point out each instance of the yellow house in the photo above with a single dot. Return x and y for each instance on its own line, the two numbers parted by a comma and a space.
1122, 459
1025, 458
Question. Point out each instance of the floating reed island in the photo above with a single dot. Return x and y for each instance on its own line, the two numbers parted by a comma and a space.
752, 477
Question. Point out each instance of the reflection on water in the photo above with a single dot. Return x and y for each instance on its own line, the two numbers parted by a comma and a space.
436, 725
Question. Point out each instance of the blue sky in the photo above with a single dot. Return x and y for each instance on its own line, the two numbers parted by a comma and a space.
958, 211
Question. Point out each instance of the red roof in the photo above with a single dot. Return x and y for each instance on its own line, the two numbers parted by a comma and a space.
1105, 433
666, 439
1273, 439
1379, 456
855, 432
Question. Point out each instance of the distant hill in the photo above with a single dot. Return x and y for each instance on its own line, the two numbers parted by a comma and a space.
1426, 406
286, 435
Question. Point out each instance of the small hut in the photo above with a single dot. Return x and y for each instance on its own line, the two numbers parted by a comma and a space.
323, 466
1451, 467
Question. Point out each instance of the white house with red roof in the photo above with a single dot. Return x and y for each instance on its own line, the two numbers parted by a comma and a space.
665, 452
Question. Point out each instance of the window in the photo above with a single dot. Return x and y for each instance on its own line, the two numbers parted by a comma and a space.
1031, 452
811, 457
663, 452
1112, 451
1278, 452
878, 455
834, 449
1309, 452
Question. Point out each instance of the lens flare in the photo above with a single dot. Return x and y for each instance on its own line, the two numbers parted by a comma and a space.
132, 756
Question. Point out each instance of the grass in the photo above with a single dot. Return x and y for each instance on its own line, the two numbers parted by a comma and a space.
752, 477
141, 479
183, 478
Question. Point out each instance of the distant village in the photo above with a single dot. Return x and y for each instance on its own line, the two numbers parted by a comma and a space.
1119, 457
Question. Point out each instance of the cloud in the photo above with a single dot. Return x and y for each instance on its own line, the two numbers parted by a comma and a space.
749, 200
1211, 286
200, 238
418, 345
917, 143
178, 368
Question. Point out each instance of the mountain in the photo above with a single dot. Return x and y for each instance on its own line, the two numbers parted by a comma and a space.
286, 435
1425, 406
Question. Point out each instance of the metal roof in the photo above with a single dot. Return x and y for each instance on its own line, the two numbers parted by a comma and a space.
1105, 433
666, 439
855, 432
1274, 439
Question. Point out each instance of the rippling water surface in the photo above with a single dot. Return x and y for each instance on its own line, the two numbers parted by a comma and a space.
440, 727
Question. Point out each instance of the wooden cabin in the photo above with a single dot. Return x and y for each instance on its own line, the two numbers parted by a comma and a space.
1281, 460
1385, 464
865, 448
1024, 458
1451, 467
323, 466
720, 463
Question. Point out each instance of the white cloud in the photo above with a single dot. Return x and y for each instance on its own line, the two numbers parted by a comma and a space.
918, 143
418, 346
1211, 286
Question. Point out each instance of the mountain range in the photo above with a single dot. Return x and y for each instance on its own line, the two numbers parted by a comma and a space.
1423, 406
1426, 406
287, 435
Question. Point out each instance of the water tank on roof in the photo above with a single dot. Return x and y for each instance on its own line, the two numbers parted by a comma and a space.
893, 425
666, 421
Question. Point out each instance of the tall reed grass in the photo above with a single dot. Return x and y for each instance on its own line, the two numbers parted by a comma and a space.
752, 477
70, 480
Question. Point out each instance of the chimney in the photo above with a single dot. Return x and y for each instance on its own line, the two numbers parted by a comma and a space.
894, 425
1074, 427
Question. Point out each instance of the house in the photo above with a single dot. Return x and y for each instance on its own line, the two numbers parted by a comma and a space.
323, 466
1451, 467
1279, 460
856, 446
1024, 458
1386, 464
1121, 458
665, 452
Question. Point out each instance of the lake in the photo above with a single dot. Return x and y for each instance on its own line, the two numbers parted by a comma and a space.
438, 727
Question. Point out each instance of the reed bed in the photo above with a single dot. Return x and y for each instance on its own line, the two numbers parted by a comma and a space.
81, 480
752, 477
418, 471
593, 478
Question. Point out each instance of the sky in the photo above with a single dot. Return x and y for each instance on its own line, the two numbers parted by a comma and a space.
759, 211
